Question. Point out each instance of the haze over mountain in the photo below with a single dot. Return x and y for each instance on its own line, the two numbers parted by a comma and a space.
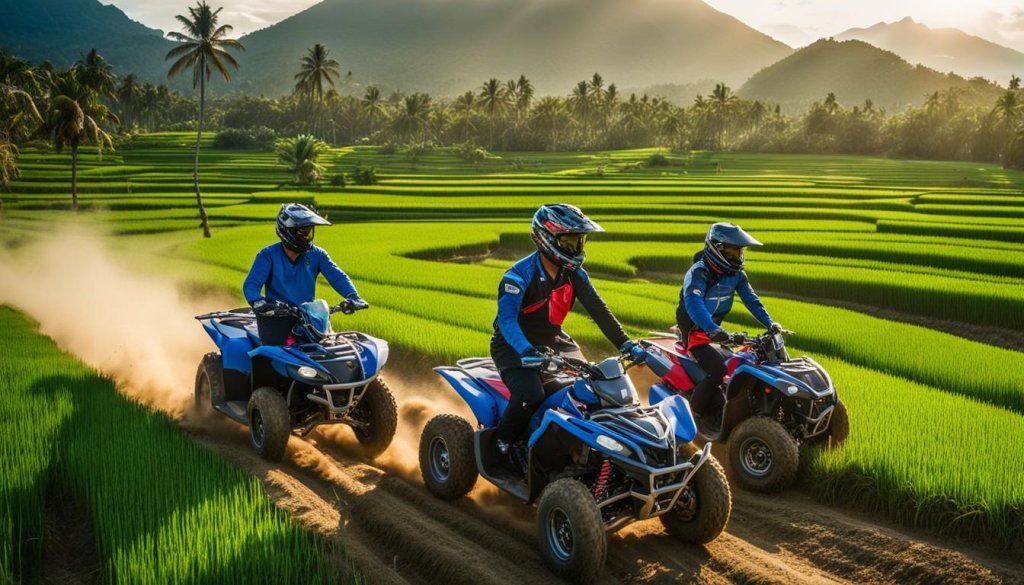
856, 71
62, 30
943, 49
451, 46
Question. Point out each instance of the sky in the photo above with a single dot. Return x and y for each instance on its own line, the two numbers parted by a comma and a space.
794, 22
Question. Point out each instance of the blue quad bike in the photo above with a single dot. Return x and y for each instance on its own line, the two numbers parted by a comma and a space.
316, 377
773, 404
596, 460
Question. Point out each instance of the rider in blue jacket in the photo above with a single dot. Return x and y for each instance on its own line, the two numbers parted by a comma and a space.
284, 274
534, 297
705, 299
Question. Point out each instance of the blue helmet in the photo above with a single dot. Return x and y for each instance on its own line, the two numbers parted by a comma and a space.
296, 224
727, 234
560, 232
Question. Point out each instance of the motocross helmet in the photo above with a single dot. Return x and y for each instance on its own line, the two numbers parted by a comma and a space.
296, 224
560, 232
723, 247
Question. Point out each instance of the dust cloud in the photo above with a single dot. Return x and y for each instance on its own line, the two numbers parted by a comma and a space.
102, 308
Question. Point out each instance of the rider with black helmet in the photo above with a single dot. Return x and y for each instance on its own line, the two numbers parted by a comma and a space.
288, 269
534, 297
704, 301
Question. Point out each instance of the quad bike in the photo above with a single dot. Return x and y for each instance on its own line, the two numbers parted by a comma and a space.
596, 460
773, 404
316, 377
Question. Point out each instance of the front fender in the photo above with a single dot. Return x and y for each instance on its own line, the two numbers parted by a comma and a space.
280, 356
374, 355
583, 430
677, 411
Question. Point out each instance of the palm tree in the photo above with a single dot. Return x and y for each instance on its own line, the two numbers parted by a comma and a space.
581, 104
96, 75
301, 156
722, 104
75, 118
373, 106
551, 114
316, 69
128, 95
494, 100
202, 48
412, 116
1009, 107
1014, 82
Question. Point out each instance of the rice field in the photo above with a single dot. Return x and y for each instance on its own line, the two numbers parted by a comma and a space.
874, 262
163, 509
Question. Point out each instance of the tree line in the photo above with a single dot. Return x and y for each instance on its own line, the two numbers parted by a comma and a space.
88, 104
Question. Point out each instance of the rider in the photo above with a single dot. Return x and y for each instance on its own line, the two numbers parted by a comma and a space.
704, 301
534, 297
289, 269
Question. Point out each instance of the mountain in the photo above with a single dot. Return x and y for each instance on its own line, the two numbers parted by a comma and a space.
450, 46
856, 71
62, 30
943, 49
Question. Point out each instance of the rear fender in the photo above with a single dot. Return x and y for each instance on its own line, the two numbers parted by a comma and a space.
658, 393
374, 355
482, 403
234, 345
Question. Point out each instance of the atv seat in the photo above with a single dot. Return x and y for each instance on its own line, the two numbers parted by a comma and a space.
484, 370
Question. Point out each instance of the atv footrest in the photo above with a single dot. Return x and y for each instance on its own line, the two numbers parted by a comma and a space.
496, 468
235, 410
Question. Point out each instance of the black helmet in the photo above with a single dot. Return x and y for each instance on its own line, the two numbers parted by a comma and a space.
295, 225
726, 234
560, 231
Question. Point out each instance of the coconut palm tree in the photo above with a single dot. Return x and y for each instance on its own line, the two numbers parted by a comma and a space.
412, 116
373, 106
494, 101
74, 118
722, 104
96, 75
203, 48
301, 155
316, 69
128, 95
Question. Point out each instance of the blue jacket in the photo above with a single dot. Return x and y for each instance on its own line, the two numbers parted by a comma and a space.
532, 307
706, 298
293, 283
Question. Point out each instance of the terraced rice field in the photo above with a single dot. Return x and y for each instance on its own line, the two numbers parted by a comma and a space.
903, 277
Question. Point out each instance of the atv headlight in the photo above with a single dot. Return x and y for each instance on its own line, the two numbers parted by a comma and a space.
791, 390
611, 444
307, 372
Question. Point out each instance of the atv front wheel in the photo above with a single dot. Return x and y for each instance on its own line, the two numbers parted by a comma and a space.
838, 426
376, 416
702, 510
209, 383
447, 457
269, 423
570, 531
763, 455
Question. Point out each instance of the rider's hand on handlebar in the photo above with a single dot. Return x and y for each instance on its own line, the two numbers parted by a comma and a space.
349, 306
635, 352
538, 361
265, 308
720, 336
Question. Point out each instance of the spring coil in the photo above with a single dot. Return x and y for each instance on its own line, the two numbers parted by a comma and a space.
602, 480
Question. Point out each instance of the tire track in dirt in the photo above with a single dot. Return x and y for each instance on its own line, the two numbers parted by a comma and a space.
394, 531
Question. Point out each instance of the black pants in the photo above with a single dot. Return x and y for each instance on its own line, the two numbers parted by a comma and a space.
526, 389
707, 395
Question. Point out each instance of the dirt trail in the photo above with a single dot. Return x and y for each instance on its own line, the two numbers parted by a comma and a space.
394, 531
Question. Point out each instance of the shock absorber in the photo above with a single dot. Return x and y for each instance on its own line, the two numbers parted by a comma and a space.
602, 480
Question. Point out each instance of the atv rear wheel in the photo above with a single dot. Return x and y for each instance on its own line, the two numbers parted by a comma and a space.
570, 532
702, 510
269, 423
763, 455
209, 383
447, 457
377, 415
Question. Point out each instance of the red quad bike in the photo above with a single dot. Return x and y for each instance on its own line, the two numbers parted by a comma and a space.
773, 404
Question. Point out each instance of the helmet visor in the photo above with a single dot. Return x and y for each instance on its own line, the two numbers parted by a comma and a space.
732, 253
571, 243
304, 234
